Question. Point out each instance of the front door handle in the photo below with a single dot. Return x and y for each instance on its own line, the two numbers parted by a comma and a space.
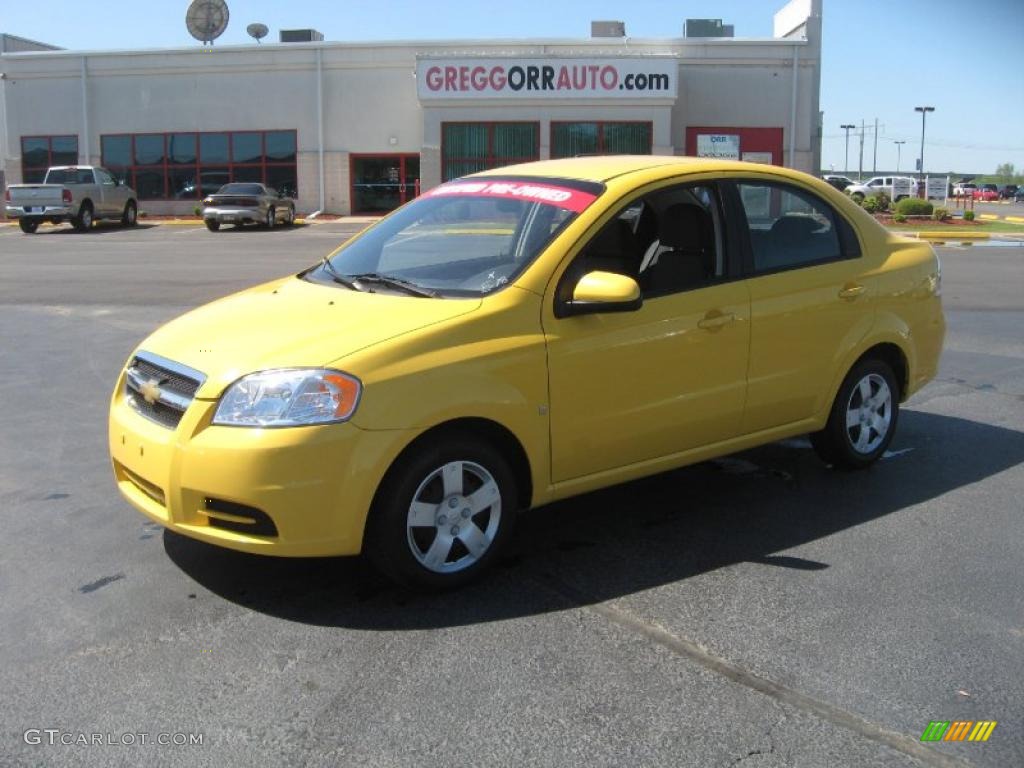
851, 291
712, 321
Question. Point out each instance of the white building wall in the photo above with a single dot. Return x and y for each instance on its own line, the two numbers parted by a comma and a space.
370, 103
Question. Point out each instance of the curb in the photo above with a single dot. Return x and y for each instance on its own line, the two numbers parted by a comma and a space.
944, 236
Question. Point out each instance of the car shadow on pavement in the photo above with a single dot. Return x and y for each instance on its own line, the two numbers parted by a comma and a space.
632, 537
99, 228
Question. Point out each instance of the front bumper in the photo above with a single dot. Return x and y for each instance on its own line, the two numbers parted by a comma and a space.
313, 484
43, 212
233, 215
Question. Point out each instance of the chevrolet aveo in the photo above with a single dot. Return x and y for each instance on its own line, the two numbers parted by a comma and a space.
517, 337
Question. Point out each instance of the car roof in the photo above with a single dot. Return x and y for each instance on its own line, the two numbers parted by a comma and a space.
607, 167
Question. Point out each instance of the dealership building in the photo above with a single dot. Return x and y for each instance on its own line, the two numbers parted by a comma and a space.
353, 128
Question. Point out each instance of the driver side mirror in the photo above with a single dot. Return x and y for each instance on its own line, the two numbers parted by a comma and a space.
603, 292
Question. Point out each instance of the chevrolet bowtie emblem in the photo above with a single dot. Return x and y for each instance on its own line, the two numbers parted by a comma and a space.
150, 391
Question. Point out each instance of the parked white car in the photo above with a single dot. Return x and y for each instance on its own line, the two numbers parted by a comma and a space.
896, 187
80, 194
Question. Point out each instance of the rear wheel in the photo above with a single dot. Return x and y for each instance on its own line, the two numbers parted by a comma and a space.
28, 226
863, 417
442, 513
83, 221
131, 214
212, 224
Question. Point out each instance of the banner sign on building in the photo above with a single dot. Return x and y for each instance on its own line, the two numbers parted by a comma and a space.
721, 146
648, 77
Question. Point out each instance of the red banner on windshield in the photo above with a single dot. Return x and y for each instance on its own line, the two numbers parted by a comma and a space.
562, 197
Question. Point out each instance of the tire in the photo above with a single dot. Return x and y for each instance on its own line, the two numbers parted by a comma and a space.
858, 197
28, 226
83, 221
411, 534
863, 417
271, 218
212, 224
289, 217
130, 217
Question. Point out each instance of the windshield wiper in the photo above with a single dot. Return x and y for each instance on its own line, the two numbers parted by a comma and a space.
338, 277
393, 282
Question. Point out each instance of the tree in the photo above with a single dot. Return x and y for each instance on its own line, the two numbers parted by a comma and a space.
1005, 172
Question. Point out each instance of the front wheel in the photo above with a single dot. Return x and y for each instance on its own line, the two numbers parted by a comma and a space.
442, 514
131, 214
863, 417
212, 224
28, 226
289, 216
858, 197
271, 218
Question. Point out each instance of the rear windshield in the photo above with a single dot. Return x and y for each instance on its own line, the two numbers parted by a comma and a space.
468, 237
69, 176
240, 189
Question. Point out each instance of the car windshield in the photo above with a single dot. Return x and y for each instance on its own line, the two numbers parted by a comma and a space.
465, 238
240, 189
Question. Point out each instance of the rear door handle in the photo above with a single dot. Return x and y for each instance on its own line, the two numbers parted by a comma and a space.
851, 291
714, 321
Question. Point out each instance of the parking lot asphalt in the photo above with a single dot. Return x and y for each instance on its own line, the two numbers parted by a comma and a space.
759, 610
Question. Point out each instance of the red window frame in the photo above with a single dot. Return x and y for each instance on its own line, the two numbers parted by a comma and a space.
49, 152
166, 167
491, 160
600, 132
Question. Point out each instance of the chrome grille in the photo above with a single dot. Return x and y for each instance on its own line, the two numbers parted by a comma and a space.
160, 389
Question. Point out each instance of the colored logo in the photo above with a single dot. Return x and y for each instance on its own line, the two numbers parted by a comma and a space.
958, 730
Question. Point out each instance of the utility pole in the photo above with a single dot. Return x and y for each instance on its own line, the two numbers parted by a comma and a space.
846, 164
874, 159
899, 145
924, 112
860, 166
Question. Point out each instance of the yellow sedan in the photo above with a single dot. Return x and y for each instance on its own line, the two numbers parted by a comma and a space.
517, 337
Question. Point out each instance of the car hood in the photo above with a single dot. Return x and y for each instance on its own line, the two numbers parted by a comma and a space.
290, 323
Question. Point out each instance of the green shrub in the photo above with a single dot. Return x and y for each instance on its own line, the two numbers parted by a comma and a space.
968, 215
914, 206
940, 214
197, 211
898, 217
876, 203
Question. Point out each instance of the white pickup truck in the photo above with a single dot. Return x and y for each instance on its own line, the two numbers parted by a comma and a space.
80, 194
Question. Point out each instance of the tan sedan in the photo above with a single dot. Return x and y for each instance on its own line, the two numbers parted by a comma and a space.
248, 203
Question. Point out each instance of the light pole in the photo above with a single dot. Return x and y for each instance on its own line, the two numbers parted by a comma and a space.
924, 113
899, 145
846, 165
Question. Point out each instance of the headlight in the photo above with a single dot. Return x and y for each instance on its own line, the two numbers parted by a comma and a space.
289, 398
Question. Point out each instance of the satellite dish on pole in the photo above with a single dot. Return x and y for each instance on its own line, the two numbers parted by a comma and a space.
257, 31
207, 19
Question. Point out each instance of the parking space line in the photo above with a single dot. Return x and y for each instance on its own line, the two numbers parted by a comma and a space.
737, 674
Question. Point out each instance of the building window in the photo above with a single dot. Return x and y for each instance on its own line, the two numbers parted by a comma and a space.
470, 147
187, 166
604, 138
40, 152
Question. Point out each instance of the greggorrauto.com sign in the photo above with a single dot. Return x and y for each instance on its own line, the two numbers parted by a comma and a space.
529, 78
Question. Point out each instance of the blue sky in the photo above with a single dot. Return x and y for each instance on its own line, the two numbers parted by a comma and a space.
880, 57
